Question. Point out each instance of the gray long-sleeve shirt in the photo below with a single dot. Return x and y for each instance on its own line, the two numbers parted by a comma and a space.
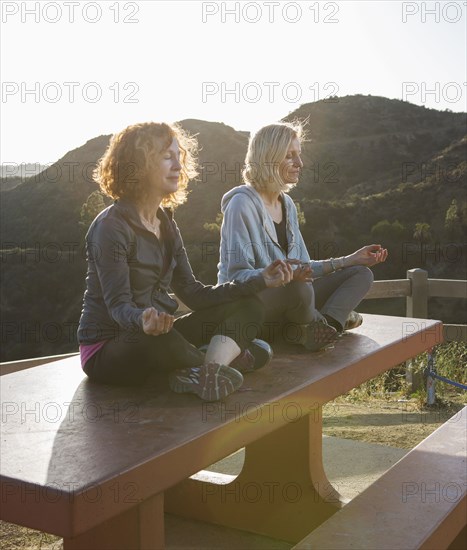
129, 269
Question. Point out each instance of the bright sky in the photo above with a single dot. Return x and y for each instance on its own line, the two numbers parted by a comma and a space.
74, 70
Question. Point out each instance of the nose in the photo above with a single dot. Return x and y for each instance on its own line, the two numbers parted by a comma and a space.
176, 166
298, 162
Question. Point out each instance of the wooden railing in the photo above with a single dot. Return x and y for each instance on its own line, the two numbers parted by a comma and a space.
14, 366
417, 289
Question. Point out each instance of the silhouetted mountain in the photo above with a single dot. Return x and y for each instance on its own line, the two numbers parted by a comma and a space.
221, 155
46, 207
369, 161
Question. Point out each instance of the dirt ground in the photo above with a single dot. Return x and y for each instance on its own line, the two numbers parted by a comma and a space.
395, 422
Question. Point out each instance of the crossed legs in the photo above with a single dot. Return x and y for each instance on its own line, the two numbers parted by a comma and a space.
329, 298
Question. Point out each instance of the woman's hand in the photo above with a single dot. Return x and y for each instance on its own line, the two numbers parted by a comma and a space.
302, 272
368, 255
156, 322
279, 273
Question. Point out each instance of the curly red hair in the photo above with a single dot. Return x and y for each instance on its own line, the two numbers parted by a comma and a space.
133, 153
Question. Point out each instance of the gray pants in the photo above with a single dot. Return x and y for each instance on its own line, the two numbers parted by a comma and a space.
336, 295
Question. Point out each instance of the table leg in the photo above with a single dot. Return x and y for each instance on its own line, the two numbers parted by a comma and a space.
140, 528
282, 490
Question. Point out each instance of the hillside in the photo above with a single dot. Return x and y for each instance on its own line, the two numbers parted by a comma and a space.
369, 160
362, 145
350, 222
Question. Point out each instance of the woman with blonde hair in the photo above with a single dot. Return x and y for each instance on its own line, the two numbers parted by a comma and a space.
260, 225
127, 331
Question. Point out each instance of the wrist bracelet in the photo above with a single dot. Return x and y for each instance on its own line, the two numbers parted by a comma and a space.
336, 263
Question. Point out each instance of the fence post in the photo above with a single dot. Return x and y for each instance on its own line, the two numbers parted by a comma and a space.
417, 302
416, 306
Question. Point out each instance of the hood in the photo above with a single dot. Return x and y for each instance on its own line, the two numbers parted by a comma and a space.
246, 190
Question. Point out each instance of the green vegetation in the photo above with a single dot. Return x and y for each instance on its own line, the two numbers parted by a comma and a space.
385, 231
216, 226
94, 204
422, 233
450, 362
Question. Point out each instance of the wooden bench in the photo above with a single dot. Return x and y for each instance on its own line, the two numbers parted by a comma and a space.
98, 465
419, 503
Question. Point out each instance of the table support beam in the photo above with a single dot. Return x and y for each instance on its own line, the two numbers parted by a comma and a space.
140, 528
281, 492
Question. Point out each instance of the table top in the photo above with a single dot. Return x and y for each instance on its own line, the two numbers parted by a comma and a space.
64, 437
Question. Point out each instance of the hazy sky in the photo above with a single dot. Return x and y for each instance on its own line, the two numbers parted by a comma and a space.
74, 70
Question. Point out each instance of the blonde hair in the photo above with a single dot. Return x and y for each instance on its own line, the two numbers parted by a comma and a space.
133, 153
266, 151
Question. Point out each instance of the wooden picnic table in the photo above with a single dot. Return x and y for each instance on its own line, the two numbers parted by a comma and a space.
94, 464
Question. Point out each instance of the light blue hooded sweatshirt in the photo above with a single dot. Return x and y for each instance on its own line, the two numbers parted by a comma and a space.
249, 238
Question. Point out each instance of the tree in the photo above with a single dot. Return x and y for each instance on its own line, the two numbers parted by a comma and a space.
94, 204
422, 232
214, 227
452, 221
380, 229
387, 232
300, 214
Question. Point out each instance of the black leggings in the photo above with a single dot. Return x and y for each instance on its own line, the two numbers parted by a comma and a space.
134, 357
